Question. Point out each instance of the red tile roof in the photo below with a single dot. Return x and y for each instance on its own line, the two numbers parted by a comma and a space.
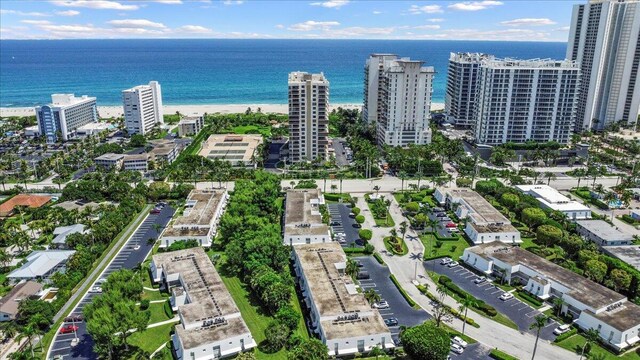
34, 201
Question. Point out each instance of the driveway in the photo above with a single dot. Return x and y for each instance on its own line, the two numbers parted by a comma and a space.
520, 313
398, 306
127, 258
340, 213
338, 148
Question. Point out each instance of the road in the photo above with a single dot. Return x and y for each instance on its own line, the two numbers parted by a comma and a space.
127, 258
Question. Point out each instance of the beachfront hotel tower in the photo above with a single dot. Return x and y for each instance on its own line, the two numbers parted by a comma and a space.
397, 99
525, 100
59, 120
308, 116
462, 86
142, 108
605, 39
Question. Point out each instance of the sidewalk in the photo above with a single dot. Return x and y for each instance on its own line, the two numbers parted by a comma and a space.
490, 333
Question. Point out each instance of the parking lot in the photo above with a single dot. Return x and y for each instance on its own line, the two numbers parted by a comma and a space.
442, 230
129, 256
340, 213
520, 313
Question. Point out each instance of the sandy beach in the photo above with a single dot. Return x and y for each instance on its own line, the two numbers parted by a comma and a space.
116, 111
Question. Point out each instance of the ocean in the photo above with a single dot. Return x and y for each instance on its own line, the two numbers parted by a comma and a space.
217, 71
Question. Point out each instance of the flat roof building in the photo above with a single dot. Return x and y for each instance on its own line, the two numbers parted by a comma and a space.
190, 125
302, 218
41, 264
164, 151
616, 319
486, 223
136, 162
602, 233
211, 326
199, 219
65, 115
10, 302
551, 198
340, 315
239, 150
94, 128
142, 108
110, 161
630, 254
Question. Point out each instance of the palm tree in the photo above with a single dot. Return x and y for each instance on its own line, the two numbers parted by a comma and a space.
9, 329
340, 177
465, 304
403, 229
387, 203
579, 173
591, 336
550, 176
334, 188
28, 332
372, 296
351, 268
557, 303
539, 322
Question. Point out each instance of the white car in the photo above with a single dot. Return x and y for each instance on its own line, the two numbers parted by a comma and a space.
381, 305
506, 296
562, 329
480, 280
458, 341
457, 348
96, 289
445, 261
452, 264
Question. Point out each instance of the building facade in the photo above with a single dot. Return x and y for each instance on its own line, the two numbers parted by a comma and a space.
602, 233
399, 91
525, 100
605, 39
189, 126
142, 108
59, 120
308, 117
552, 199
462, 86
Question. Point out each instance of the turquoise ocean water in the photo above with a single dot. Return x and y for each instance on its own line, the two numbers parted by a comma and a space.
217, 71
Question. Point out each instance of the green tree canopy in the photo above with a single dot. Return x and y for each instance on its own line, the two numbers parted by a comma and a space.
595, 270
533, 216
549, 235
426, 342
312, 349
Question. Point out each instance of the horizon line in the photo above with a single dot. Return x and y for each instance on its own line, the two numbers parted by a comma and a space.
308, 39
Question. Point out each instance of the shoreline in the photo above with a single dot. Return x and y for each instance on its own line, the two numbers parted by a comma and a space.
190, 110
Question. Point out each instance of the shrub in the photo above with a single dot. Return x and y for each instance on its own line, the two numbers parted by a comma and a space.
566, 335
360, 219
144, 304
356, 210
500, 355
413, 207
530, 298
365, 234
438, 244
402, 292
378, 258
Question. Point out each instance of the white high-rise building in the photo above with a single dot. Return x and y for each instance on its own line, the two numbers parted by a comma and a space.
526, 100
605, 40
308, 116
64, 115
462, 86
142, 108
398, 99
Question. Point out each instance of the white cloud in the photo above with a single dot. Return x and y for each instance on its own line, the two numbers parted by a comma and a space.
195, 29
95, 4
529, 22
168, 2
334, 4
427, 27
21, 13
564, 28
311, 25
358, 31
233, 2
474, 5
376, 12
425, 9
435, 20
136, 23
68, 13
496, 35
35, 22
279, 26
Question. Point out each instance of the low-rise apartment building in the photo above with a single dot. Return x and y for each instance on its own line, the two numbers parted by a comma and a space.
164, 151
594, 306
602, 233
340, 314
109, 161
551, 198
190, 125
485, 223
239, 150
211, 326
302, 218
136, 162
199, 219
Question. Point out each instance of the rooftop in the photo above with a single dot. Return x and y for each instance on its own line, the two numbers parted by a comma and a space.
604, 230
531, 63
302, 212
62, 232
298, 77
40, 263
586, 291
110, 157
199, 213
33, 201
136, 157
481, 212
468, 57
63, 100
627, 253
552, 198
344, 312
623, 318
9, 303
233, 148
210, 303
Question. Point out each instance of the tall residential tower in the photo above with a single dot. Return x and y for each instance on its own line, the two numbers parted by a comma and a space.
462, 86
64, 115
605, 40
398, 99
526, 100
142, 108
308, 116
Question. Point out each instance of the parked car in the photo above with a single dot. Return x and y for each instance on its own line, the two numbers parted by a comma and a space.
362, 275
441, 214
391, 322
450, 225
506, 296
562, 329
457, 348
155, 211
453, 230
74, 318
480, 280
96, 289
438, 209
381, 305
445, 260
459, 341
452, 264
335, 223
445, 219
68, 329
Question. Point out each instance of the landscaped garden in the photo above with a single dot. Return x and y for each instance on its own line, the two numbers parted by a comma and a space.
379, 207
435, 248
576, 343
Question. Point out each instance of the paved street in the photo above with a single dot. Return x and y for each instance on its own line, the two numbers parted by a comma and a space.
340, 153
519, 312
128, 257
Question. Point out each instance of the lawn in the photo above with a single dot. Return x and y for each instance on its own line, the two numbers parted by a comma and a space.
447, 248
383, 221
577, 341
528, 242
252, 129
392, 248
151, 339
256, 320
158, 313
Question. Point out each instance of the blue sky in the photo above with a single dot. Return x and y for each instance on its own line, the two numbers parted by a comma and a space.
341, 19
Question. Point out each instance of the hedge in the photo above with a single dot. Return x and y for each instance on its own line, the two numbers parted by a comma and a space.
427, 258
454, 312
378, 258
482, 306
441, 238
500, 355
530, 298
566, 335
336, 197
402, 292
356, 250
